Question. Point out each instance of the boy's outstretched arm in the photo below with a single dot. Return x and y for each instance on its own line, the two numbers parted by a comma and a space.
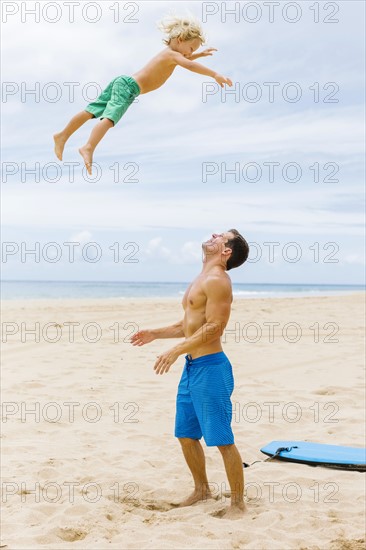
204, 53
200, 69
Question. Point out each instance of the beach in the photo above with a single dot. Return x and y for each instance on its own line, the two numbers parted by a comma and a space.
89, 454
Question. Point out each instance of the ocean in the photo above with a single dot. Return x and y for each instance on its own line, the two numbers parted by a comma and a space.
23, 290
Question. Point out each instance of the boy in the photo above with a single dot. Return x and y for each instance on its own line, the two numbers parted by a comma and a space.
184, 36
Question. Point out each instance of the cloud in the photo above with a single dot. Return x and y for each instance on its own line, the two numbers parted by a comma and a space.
190, 253
156, 250
290, 210
356, 259
82, 237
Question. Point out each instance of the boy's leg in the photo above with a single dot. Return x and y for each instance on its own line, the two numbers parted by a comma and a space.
74, 124
98, 132
235, 474
195, 458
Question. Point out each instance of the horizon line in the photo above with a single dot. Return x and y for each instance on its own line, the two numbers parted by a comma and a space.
169, 282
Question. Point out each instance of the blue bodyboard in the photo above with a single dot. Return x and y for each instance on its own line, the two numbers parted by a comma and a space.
305, 452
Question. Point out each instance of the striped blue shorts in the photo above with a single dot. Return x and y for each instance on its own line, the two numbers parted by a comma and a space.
203, 406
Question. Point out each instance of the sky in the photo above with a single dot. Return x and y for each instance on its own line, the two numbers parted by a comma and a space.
279, 156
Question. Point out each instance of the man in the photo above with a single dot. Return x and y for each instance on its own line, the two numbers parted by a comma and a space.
203, 404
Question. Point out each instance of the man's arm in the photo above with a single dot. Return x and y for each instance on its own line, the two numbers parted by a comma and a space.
172, 331
218, 306
145, 336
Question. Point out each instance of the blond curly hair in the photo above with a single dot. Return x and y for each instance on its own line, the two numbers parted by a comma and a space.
185, 28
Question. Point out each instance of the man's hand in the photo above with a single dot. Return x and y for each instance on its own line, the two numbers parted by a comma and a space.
223, 80
142, 337
165, 361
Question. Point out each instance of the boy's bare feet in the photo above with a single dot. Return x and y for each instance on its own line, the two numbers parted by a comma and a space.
196, 496
87, 154
59, 145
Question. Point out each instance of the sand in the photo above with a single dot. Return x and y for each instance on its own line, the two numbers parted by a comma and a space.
96, 465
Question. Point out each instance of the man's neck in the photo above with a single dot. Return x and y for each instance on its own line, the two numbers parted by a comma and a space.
213, 263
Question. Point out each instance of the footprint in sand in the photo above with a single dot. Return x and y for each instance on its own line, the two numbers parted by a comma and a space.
69, 534
218, 513
325, 391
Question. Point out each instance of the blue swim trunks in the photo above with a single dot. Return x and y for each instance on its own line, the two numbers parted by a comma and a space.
114, 101
203, 406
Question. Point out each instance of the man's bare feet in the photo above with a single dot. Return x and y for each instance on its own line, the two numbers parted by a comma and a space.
233, 512
196, 496
87, 154
59, 145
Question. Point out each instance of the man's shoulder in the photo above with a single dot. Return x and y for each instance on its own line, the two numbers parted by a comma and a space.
218, 282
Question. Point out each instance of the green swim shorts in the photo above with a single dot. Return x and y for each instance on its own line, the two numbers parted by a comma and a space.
114, 101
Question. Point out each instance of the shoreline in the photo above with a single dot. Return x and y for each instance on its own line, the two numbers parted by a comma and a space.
170, 299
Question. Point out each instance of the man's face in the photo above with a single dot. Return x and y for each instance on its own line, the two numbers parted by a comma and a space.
217, 242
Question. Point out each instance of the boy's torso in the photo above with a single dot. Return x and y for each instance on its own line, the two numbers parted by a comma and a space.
155, 72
